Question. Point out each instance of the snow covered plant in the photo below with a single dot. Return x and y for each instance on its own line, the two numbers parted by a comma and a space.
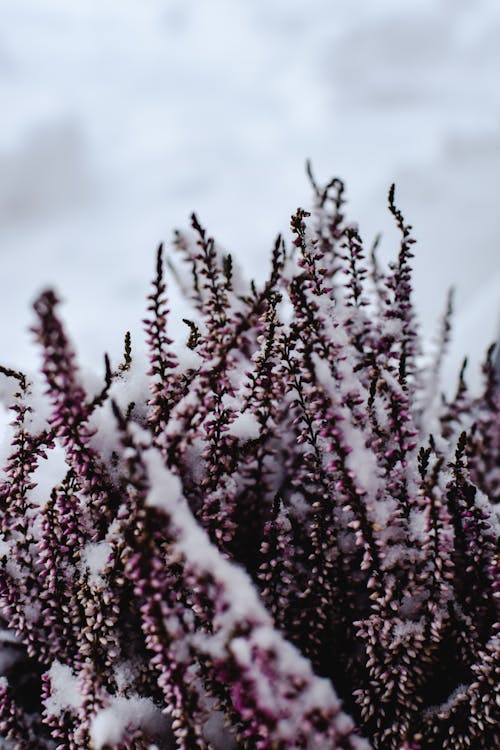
277, 535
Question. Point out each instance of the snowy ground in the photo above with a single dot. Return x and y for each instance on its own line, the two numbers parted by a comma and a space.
120, 117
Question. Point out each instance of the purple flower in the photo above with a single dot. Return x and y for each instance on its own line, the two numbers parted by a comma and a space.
286, 540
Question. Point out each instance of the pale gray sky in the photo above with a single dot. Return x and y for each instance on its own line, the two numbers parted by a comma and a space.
121, 117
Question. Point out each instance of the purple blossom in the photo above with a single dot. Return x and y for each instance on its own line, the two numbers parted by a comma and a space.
281, 539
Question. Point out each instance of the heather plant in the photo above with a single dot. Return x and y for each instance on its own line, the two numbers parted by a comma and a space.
275, 535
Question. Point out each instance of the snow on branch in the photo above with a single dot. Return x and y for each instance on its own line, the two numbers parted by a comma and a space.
277, 538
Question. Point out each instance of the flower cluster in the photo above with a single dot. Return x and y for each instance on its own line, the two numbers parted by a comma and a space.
277, 536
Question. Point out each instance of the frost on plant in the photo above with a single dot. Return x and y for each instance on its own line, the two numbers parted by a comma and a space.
275, 535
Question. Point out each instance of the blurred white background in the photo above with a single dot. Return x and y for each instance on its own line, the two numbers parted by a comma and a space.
120, 117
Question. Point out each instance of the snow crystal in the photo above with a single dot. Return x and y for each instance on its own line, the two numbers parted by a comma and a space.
190, 400
188, 359
167, 494
8, 388
407, 631
4, 548
110, 724
394, 327
125, 673
361, 459
458, 694
194, 544
13, 569
105, 438
65, 691
32, 610
37, 419
410, 606
492, 512
240, 648
49, 473
244, 606
245, 426
418, 524
384, 510
94, 558
133, 383
395, 554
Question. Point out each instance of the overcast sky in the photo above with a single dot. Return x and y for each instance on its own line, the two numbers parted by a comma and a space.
119, 118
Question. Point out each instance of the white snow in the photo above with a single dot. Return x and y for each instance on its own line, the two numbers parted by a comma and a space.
406, 631
188, 358
167, 493
243, 606
109, 725
5, 549
245, 427
124, 674
65, 692
94, 558
49, 473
